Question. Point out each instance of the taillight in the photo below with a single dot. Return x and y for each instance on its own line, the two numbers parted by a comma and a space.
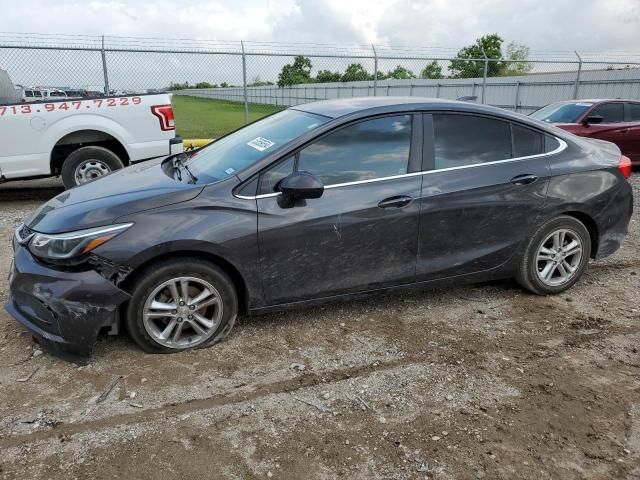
165, 115
625, 166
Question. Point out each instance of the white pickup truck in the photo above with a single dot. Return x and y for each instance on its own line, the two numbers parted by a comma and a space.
82, 139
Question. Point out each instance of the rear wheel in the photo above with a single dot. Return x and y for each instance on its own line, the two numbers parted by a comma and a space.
87, 164
556, 257
181, 304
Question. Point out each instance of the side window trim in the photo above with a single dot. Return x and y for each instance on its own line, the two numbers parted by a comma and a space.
427, 147
428, 162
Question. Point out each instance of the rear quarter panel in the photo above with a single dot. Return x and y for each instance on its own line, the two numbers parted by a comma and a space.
585, 180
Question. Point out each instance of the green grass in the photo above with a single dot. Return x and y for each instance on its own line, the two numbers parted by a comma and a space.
208, 118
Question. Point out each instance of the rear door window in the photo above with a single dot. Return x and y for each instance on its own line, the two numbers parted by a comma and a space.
463, 140
526, 141
550, 144
610, 112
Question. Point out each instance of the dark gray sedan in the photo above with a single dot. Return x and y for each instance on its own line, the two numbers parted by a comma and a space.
318, 202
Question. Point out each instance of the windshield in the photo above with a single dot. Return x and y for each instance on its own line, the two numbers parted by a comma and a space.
561, 112
246, 146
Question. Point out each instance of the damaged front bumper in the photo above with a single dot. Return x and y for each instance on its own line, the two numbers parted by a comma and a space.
64, 309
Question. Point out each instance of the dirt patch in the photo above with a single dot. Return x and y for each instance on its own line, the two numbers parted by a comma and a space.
485, 381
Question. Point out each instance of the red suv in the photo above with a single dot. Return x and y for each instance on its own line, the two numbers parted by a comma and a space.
616, 121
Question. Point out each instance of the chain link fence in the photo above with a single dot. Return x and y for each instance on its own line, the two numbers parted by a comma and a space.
260, 75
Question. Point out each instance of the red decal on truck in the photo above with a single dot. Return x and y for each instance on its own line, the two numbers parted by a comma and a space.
27, 109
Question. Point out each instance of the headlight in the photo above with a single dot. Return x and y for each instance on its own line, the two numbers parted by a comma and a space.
70, 245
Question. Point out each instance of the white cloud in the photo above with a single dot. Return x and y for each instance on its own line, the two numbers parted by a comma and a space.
543, 25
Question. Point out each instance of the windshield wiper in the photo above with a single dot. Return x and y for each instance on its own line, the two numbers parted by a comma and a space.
179, 162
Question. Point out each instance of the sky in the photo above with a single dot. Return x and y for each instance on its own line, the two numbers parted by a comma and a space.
543, 25
436, 27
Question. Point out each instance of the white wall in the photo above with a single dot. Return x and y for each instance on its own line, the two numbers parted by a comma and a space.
521, 93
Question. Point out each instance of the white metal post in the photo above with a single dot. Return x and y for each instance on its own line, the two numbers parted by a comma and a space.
577, 84
375, 70
244, 83
104, 68
484, 75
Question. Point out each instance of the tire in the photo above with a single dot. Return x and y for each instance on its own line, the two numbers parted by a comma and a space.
152, 294
541, 257
88, 163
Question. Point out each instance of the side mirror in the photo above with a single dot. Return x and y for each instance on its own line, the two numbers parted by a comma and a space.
299, 186
593, 119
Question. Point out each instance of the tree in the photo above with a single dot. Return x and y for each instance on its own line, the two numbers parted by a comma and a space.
258, 82
327, 76
401, 73
178, 86
204, 85
469, 61
517, 55
296, 73
224, 85
354, 73
432, 70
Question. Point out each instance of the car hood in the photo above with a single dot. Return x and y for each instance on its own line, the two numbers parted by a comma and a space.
101, 202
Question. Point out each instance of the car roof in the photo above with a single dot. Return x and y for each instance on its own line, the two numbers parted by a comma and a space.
347, 109
598, 100
346, 106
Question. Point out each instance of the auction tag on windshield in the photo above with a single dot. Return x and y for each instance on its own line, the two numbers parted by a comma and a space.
260, 143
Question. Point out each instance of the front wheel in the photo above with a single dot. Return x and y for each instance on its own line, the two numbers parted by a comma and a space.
556, 257
181, 304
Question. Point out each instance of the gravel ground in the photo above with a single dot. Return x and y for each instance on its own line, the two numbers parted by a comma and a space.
484, 381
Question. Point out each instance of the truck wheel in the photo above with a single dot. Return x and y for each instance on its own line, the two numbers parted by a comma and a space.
88, 163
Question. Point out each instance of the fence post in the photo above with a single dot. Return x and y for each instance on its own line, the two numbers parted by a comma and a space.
438, 90
517, 100
104, 68
375, 71
484, 74
244, 83
577, 85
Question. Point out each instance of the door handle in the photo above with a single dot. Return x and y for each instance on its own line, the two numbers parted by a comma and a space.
395, 202
525, 179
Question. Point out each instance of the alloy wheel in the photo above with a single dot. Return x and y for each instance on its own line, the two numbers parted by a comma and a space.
558, 257
182, 312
